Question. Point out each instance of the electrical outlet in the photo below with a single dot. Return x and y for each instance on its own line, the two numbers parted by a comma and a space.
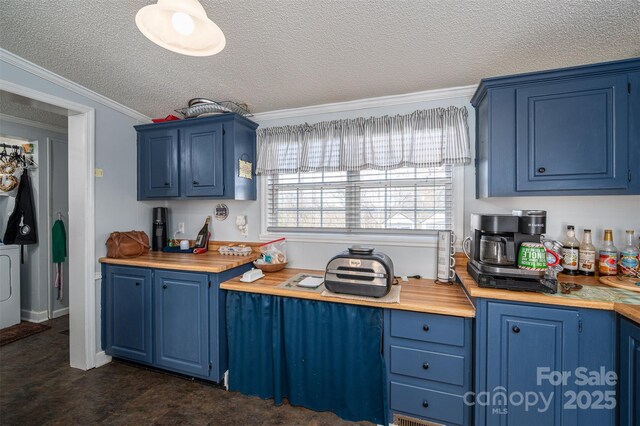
181, 227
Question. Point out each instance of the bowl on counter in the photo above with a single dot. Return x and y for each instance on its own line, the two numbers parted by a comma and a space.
270, 267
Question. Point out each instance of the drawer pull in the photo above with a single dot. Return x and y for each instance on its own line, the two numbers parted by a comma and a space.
541, 170
425, 327
425, 365
516, 329
425, 404
164, 286
137, 284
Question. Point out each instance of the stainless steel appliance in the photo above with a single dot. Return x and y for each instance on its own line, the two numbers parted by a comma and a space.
493, 250
361, 271
159, 233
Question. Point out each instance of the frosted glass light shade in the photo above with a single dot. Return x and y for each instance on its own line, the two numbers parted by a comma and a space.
181, 26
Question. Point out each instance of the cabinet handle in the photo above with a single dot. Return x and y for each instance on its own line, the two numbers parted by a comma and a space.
138, 284
425, 404
195, 182
166, 184
164, 286
425, 365
425, 327
516, 329
541, 170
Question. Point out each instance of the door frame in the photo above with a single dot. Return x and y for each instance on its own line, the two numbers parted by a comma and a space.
81, 229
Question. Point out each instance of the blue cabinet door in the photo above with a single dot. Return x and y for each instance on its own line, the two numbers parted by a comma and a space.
181, 322
573, 134
158, 164
202, 160
128, 313
629, 373
520, 340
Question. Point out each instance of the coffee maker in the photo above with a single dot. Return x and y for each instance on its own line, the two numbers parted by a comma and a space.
159, 233
493, 250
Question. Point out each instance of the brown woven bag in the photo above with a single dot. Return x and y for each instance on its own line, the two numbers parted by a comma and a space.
122, 245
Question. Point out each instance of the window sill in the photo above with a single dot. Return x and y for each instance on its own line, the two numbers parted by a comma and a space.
351, 239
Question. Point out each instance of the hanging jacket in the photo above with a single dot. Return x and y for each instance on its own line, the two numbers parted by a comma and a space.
58, 242
21, 228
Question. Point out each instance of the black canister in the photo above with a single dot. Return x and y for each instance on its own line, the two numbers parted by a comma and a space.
159, 233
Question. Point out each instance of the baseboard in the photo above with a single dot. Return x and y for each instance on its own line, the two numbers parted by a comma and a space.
60, 312
102, 358
33, 316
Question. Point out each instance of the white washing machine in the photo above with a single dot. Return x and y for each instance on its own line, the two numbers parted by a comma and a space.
9, 285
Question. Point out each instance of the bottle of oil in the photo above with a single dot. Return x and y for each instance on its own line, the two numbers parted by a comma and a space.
587, 255
608, 255
570, 249
629, 256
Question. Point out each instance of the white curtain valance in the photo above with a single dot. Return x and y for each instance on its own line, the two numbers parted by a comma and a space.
425, 138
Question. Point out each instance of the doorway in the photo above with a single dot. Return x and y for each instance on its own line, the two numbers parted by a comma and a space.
58, 214
82, 298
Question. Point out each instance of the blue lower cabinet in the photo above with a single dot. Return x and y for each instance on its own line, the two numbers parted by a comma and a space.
167, 319
428, 360
544, 365
181, 322
127, 313
629, 373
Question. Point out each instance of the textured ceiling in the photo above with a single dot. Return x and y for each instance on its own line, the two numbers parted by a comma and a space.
291, 53
40, 112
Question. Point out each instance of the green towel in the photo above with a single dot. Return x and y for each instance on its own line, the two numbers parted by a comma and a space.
58, 242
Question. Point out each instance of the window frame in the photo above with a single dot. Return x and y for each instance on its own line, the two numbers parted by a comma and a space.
407, 238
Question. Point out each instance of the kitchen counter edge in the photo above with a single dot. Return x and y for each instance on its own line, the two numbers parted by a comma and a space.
416, 295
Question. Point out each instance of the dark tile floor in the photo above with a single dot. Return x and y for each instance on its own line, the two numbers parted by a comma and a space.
37, 387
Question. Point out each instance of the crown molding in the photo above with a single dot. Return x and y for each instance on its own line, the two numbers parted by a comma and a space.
38, 71
382, 101
31, 123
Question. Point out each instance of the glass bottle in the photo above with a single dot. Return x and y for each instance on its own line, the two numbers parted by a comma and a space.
203, 236
608, 255
587, 255
629, 255
570, 250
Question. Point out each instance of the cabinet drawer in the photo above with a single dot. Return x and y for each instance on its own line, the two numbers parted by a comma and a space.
427, 327
427, 403
428, 365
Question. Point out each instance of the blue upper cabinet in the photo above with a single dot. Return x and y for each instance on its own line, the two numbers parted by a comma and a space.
560, 132
158, 164
202, 164
198, 157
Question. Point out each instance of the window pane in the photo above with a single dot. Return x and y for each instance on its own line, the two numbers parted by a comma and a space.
401, 199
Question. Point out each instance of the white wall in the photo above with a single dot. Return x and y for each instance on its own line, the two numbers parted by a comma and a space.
116, 207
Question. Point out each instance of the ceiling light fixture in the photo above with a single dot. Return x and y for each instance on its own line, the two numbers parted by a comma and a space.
181, 26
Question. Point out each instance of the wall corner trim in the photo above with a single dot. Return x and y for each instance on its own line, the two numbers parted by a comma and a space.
382, 101
102, 359
37, 70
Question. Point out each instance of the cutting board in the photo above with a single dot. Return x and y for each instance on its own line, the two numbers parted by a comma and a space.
626, 283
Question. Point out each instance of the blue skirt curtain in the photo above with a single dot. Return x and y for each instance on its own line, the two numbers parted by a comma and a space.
320, 355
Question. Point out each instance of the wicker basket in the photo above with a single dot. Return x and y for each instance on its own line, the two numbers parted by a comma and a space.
270, 267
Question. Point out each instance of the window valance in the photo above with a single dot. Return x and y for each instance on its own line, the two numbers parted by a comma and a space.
424, 138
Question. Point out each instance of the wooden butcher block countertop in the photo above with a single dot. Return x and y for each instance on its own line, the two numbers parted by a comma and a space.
416, 295
211, 261
630, 311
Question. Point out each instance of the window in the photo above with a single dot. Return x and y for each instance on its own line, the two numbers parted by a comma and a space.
407, 199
